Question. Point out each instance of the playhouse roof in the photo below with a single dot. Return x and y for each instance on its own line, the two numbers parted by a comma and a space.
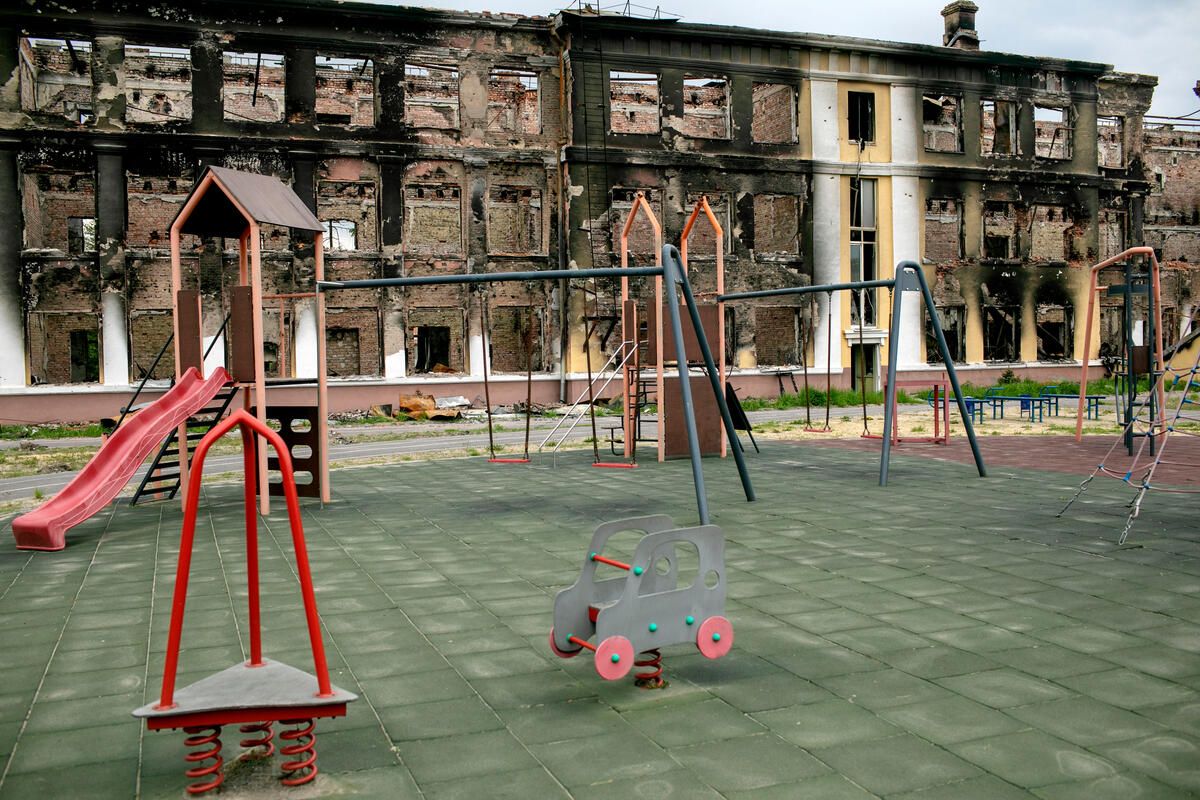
219, 209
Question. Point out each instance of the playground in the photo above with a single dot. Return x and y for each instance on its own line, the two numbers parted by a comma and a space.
882, 650
904, 628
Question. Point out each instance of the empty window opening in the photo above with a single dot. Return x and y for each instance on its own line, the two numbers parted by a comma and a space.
1055, 322
341, 234
862, 250
1000, 236
431, 96
349, 204
943, 230
705, 107
56, 78
433, 349
777, 225
253, 87
861, 116
777, 335
158, 84
271, 360
1055, 331
999, 133
1050, 226
633, 102
773, 114
513, 102
514, 220
1052, 132
1001, 316
954, 326
85, 356
433, 218
941, 116
81, 235
1110, 142
345, 91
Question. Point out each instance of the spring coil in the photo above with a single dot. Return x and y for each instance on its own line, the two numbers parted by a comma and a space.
209, 776
649, 662
264, 740
303, 767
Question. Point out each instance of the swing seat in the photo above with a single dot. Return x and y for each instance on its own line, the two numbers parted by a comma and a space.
508, 460
613, 465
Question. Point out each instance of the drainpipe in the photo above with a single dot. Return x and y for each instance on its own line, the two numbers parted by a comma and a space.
564, 285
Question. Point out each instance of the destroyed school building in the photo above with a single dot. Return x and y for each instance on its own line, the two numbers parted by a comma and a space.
436, 142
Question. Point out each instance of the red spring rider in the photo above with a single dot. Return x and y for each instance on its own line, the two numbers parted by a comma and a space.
259, 692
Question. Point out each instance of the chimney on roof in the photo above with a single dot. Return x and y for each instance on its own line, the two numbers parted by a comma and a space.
960, 25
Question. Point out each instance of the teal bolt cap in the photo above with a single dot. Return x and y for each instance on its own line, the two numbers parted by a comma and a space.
592, 556
716, 637
637, 570
653, 627
616, 657
690, 620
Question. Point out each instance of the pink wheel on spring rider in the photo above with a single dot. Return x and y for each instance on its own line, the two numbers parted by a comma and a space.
562, 653
614, 658
715, 637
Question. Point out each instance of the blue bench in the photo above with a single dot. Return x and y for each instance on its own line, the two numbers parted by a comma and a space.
1052, 397
974, 406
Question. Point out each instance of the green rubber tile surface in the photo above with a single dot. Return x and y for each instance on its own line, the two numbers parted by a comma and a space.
943, 637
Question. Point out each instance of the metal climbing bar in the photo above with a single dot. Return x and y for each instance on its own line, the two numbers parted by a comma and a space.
491, 277
824, 287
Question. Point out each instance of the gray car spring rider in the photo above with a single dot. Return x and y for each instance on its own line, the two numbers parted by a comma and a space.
646, 608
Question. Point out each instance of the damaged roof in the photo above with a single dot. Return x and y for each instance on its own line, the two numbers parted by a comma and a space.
264, 198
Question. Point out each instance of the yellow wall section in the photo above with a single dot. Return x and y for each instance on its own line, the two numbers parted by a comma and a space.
879, 151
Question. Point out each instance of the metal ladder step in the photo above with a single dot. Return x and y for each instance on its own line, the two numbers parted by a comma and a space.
162, 479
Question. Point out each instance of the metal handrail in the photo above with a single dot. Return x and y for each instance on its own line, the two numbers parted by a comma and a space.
215, 339
632, 348
145, 378
129, 406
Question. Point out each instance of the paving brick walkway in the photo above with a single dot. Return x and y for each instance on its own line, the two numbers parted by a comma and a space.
945, 637
1180, 465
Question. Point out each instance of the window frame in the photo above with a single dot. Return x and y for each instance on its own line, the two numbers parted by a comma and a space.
868, 97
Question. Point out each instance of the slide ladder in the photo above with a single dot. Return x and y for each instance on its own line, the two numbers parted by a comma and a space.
161, 481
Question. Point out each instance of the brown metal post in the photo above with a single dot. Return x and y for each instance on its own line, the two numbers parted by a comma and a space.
260, 376
322, 370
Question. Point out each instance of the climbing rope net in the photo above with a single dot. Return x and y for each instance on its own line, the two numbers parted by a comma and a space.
1144, 423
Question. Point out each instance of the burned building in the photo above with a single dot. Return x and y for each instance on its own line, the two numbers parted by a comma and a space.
436, 142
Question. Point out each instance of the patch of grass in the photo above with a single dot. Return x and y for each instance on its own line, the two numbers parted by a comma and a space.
50, 431
918, 428
839, 398
38, 494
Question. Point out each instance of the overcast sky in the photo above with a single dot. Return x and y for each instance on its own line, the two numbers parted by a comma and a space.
1156, 37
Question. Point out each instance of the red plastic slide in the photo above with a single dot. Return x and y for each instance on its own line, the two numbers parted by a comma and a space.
114, 464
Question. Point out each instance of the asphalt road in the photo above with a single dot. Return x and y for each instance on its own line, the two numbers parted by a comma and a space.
429, 440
